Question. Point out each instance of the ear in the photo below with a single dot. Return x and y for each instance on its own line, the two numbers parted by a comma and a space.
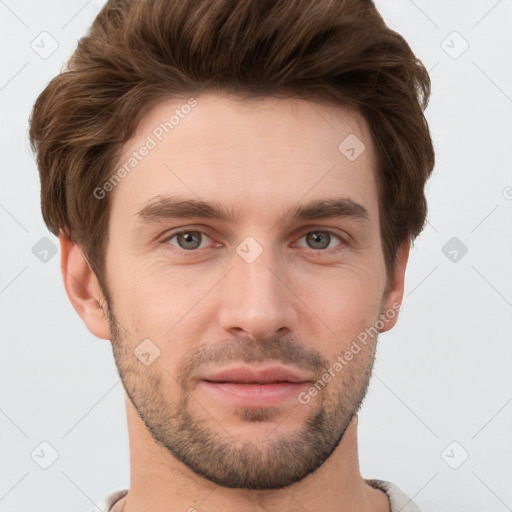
83, 288
395, 290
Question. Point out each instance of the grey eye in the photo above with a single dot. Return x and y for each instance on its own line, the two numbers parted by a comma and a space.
188, 239
319, 239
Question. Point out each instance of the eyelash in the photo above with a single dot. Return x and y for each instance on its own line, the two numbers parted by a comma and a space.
311, 252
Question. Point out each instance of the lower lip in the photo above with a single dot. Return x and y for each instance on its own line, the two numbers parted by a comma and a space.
257, 395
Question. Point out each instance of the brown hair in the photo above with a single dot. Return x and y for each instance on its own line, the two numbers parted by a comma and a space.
137, 53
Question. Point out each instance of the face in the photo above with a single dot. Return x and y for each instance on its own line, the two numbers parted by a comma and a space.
244, 260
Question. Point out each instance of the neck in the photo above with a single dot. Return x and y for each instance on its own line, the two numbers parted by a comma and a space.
161, 483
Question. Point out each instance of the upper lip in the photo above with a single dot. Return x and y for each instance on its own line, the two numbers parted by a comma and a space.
246, 374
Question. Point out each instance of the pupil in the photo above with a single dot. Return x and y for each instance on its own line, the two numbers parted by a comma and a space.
189, 238
318, 237
315, 236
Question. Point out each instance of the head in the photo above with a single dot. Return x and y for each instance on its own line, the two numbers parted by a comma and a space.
237, 184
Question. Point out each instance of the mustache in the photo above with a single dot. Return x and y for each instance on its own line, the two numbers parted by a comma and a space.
284, 350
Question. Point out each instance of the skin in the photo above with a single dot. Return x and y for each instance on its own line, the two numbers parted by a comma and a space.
300, 303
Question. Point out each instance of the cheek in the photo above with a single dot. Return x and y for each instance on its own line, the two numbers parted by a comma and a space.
344, 307
160, 300
346, 298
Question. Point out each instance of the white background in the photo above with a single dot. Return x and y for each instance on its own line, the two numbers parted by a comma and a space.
443, 374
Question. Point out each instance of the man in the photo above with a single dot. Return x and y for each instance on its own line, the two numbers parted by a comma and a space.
235, 186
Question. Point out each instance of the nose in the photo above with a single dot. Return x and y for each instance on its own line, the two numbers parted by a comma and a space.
256, 300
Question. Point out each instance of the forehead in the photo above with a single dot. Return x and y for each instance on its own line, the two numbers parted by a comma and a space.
248, 153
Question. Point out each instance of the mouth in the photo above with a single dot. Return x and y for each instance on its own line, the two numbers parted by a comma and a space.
258, 388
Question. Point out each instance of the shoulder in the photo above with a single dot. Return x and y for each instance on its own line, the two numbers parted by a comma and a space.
109, 501
397, 499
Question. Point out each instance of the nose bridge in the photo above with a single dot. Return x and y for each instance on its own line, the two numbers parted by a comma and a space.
257, 269
256, 300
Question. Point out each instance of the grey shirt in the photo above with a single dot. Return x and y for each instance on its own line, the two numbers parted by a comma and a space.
398, 501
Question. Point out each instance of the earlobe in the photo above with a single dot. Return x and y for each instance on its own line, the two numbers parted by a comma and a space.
395, 292
82, 288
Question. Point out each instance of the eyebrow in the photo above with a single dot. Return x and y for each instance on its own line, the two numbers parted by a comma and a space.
163, 208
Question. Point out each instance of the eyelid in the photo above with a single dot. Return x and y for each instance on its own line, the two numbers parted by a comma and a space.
333, 231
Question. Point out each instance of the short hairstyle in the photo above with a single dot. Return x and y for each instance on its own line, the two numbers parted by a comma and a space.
138, 53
